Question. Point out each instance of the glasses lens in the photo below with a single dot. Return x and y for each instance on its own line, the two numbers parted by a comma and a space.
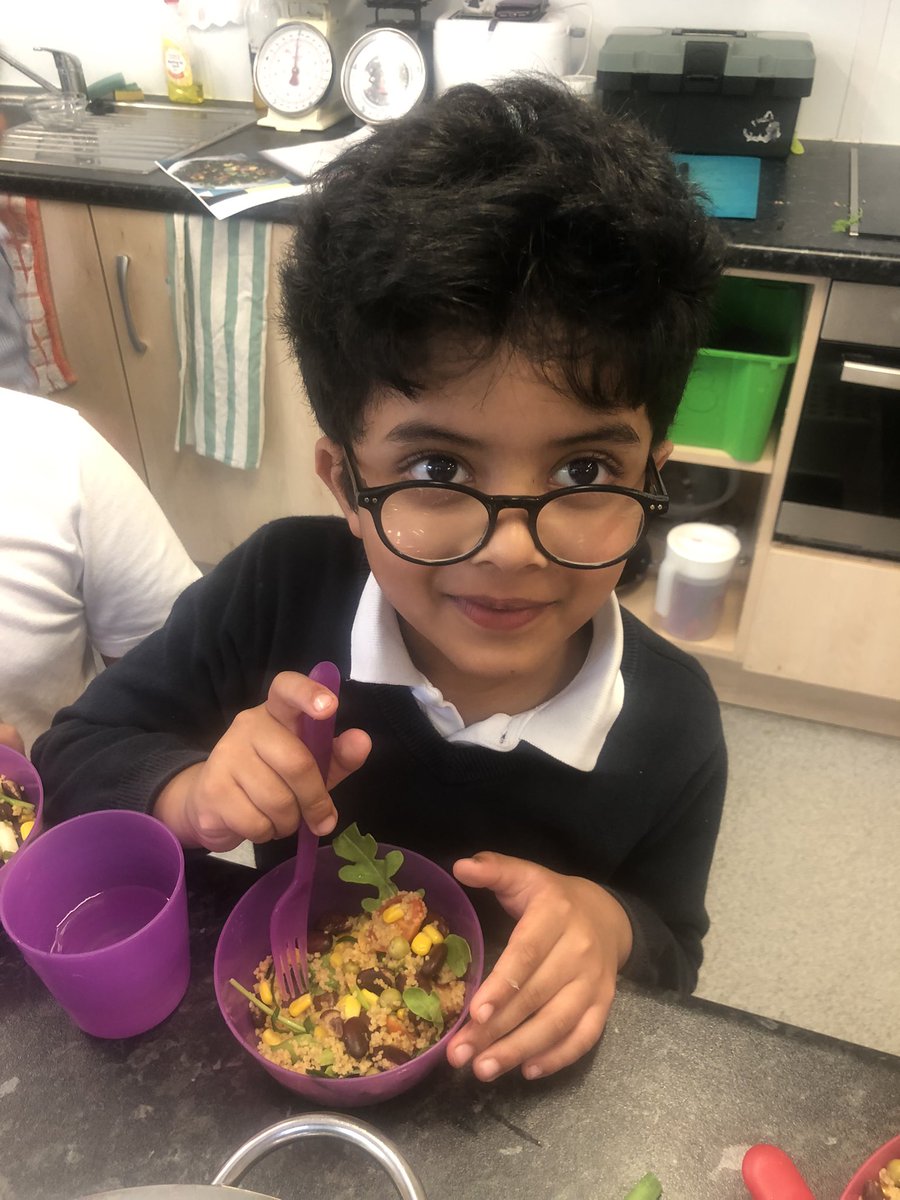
590, 528
433, 524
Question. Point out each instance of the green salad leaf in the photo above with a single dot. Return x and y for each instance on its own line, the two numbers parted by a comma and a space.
459, 955
360, 851
425, 1005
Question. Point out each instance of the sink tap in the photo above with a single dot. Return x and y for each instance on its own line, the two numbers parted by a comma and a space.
69, 69
71, 75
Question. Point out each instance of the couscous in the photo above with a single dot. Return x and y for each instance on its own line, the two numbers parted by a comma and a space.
382, 984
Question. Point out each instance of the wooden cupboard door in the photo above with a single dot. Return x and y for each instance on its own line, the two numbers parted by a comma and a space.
100, 393
211, 506
828, 619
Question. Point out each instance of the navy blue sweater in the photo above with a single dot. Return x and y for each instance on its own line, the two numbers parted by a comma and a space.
643, 823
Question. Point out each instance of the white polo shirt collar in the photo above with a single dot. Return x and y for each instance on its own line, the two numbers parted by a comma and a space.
571, 726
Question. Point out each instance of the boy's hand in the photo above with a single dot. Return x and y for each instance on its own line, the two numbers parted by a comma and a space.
546, 1001
260, 779
10, 736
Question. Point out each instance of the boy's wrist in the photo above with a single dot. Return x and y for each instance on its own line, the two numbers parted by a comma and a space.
170, 805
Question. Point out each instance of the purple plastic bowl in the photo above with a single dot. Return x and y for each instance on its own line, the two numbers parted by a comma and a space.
16, 766
244, 943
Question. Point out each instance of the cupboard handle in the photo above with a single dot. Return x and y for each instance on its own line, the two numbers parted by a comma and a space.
870, 375
122, 264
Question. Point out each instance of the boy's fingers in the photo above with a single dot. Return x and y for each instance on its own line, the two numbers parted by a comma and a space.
292, 694
557, 1036
585, 1035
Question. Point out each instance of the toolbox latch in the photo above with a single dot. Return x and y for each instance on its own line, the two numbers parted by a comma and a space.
704, 66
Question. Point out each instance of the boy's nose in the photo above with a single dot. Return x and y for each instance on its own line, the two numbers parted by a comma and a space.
511, 544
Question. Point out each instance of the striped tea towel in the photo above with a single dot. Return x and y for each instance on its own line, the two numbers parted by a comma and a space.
25, 251
218, 276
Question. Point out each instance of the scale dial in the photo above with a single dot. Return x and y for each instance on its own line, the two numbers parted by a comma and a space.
384, 75
294, 68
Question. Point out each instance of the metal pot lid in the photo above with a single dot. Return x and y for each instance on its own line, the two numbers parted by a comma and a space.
179, 1191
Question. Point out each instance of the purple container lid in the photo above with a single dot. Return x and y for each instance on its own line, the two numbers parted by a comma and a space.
244, 943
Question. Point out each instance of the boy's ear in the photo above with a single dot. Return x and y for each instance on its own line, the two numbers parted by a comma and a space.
661, 453
331, 469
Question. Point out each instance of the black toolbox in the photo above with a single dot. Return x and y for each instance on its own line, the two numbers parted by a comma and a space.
709, 91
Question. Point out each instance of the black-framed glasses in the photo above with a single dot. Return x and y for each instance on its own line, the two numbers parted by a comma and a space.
585, 527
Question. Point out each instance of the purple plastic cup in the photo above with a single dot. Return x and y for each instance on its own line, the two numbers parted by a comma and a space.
98, 908
18, 768
244, 943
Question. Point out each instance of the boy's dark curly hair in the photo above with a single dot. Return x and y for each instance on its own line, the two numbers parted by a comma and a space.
517, 215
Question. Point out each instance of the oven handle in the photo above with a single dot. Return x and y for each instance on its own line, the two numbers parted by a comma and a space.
869, 375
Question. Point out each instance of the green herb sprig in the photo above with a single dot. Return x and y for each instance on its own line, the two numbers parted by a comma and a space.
425, 1005
364, 867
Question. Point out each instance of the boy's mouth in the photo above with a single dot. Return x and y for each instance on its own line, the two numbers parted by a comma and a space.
491, 612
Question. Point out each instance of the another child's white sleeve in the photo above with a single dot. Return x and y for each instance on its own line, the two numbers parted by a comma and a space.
134, 565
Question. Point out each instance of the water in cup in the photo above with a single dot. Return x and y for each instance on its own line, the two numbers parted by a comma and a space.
106, 918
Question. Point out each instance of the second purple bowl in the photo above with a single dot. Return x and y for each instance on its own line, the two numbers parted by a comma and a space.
18, 768
244, 943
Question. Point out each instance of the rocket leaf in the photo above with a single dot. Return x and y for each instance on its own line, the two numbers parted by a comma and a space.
364, 867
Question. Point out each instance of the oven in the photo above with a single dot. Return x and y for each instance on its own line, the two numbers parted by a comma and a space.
842, 490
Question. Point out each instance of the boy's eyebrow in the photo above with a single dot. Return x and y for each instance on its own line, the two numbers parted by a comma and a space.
612, 431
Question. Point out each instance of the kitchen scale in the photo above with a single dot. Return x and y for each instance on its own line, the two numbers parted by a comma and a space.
296, 72
386, 72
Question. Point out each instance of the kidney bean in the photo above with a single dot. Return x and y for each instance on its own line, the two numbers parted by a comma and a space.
400, 983
333, 1020
374, 979
257, 1017
394, 1055
6, 812
356, 1036
434, 960
318, 941
333, 923
324, 1000
438, 922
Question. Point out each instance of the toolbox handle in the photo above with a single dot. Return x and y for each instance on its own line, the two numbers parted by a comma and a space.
742, 33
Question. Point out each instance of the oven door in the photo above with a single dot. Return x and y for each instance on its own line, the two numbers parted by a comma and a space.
842, 490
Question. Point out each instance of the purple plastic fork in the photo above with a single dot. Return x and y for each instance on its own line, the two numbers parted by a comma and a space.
290, 917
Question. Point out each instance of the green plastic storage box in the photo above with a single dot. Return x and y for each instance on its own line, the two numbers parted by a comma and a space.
737, 380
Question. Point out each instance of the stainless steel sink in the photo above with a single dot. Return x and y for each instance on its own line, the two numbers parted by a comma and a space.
132, 138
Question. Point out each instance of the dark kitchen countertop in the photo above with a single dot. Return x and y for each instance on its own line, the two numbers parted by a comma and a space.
800, 198
680, 1088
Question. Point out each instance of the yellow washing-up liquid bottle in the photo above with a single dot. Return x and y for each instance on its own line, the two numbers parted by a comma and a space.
182, 83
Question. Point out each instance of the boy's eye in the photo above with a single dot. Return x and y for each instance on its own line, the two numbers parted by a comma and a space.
438, 468
580, 472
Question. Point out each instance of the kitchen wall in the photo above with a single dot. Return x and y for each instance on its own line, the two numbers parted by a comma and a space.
856, 95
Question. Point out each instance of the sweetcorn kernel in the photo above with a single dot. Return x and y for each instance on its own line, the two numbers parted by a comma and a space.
336, 957
265, 992
300, 1005
271, 1038
421, 943
392, 915
434, 933
349, 1006
367, 998
25, 828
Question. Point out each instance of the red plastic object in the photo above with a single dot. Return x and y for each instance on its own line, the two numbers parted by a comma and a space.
770, 1174
244, 942
871, 1167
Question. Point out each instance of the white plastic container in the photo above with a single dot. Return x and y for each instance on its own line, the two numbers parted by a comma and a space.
478, 50
693, 579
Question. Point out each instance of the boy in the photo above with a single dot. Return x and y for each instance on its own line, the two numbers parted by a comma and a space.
495, 304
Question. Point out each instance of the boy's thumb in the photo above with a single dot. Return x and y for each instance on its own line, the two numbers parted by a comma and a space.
513, 880
348, 753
